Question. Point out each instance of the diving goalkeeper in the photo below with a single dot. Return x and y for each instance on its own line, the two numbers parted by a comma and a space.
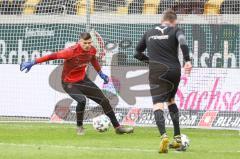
164, 72
76, 83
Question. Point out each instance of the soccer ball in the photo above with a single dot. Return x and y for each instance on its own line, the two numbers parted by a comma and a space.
185, 141
101, 123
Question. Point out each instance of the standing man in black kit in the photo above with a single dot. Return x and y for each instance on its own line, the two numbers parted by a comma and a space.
164, 72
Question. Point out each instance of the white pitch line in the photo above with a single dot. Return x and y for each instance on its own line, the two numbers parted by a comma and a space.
85, 148
224, 151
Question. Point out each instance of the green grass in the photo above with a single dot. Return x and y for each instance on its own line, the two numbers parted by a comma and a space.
59, 141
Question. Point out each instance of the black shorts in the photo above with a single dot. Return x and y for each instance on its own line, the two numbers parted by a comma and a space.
85, 88
164, 81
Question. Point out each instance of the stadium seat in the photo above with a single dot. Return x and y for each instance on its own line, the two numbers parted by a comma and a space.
166, 4
30, 6
99, 5
136, 7
190, 7
81, 7
230, 7
124, 9
111, 5
12, 7
183, 6
197, 7
150, 6
56, 7
213, 7
71, 6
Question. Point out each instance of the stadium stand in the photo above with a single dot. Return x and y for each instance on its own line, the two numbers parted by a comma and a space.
183, 6
213, 7
230, 7
81, 7
71, 6
30, 6
11, 7
197, 7
123, 7
166, 4
136, 7
150, 6
111, 5
56, 7
100, 5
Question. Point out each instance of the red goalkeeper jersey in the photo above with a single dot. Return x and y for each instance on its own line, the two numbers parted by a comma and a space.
75, 62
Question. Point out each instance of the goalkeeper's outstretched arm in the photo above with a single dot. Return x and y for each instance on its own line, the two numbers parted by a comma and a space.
63, 54
141, 47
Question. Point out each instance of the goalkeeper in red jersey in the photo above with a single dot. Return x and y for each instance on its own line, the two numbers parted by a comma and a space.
77, 84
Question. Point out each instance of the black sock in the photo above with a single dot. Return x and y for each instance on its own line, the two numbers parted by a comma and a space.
174, 113
80, 112
160, 121
113, 119
109, 112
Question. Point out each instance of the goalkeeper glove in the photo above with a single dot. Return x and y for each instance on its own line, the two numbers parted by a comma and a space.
27, 65
104, 77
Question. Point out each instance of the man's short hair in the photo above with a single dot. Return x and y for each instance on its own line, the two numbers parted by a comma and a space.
169, 15
85, 36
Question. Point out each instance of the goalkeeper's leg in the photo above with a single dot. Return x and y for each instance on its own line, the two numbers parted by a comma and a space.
77, 95
160, 121
90, 90
80, 115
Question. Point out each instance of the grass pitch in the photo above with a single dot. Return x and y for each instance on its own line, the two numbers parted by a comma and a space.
59, 141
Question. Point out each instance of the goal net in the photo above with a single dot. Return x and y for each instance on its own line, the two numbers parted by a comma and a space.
209, 98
